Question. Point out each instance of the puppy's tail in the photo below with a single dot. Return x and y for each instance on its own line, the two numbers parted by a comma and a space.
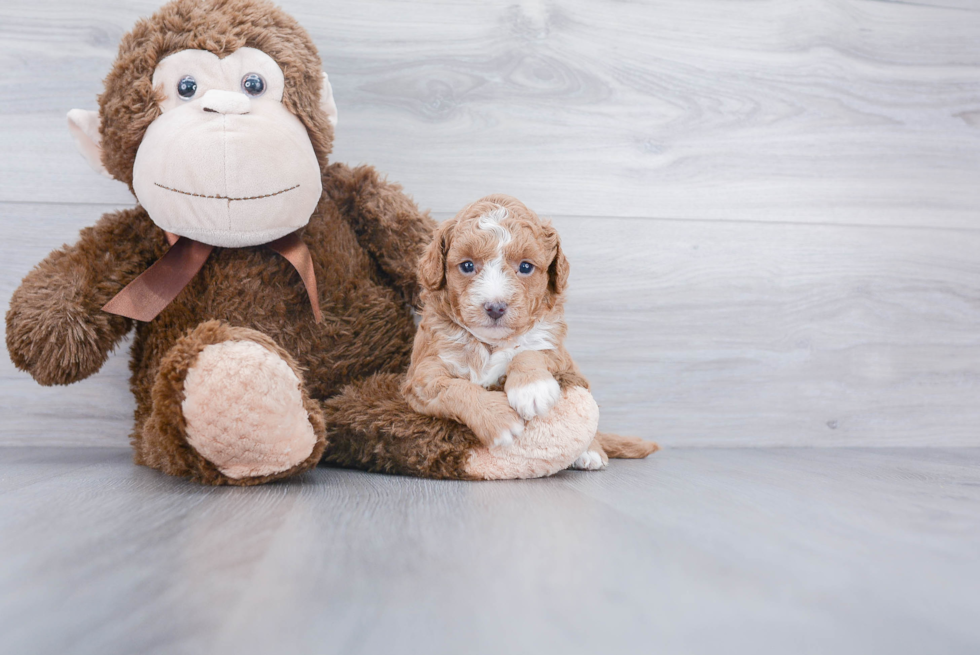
618, 447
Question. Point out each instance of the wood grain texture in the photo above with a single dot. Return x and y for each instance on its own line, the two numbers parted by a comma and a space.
691, 332
843, 111
714, 333
692, 551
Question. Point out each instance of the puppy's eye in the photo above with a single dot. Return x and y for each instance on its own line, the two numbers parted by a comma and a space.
467, 267
253, 85
526, 268
187, 87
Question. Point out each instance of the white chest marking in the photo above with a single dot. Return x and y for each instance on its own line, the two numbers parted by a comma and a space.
493, 368
485, 368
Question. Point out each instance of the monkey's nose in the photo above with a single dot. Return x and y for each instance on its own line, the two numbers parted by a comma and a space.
495, 309
225, 102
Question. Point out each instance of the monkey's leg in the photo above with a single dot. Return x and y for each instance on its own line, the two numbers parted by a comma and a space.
372, 427
229, 407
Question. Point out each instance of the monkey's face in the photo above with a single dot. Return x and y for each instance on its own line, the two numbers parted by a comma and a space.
225, 163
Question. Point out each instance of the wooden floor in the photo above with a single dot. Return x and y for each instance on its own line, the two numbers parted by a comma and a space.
693, 551
772, 212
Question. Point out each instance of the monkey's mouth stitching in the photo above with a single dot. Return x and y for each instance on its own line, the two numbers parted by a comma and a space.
201, 195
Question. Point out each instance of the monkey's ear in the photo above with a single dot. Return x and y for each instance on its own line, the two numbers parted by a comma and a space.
83, 125
326, 101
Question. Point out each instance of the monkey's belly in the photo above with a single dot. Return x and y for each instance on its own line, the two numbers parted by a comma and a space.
365, 330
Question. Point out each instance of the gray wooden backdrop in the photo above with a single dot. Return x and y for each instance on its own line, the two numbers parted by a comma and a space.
772, 207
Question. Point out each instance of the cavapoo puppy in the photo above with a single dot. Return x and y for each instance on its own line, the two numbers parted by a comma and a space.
489, 351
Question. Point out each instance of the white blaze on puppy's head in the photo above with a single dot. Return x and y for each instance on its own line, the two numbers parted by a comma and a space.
491, 223
493, 285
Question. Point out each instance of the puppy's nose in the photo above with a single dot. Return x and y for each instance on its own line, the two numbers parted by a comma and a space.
495, 309
225, 102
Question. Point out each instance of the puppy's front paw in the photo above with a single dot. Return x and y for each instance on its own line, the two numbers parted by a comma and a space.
534, 398
497, 424
590, 460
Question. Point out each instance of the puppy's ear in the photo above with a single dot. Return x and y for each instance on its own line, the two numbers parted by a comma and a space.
558, 270
432, 266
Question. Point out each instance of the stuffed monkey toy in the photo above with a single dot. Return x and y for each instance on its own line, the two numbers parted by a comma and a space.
270, 291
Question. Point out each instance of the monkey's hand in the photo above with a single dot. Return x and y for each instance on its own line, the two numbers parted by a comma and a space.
56, 329
387, 223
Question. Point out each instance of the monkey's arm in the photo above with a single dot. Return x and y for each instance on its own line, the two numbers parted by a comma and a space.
56, 329
387, 222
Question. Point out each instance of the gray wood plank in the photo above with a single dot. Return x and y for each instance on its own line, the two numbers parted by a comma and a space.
97, 411
23, 467
847, 111
691, 551
692, 332
715, 333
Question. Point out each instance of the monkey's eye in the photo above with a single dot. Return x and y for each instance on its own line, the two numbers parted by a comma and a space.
526, 268
467, 267
253, 85
187, 87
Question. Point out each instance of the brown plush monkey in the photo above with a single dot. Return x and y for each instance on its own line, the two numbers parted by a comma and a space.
269, 290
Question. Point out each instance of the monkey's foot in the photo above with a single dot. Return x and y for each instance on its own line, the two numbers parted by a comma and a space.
229, 407
244, 411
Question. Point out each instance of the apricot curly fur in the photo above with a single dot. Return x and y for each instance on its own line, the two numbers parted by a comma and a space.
620, 447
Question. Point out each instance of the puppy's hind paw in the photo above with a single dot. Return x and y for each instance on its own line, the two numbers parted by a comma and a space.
590, 460
535, 398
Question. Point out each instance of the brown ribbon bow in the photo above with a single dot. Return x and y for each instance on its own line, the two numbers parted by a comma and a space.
156, 287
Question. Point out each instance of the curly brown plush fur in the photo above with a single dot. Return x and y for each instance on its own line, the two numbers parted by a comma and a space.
372, 426
365, 238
